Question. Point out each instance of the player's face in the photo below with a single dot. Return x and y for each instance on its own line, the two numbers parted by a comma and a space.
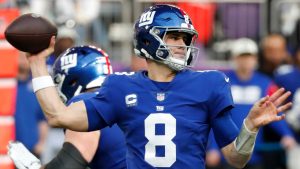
297, 57
274, 50
246, 63
176, 42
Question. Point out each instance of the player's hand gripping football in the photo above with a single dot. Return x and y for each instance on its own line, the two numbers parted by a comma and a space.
266, 109
43, 54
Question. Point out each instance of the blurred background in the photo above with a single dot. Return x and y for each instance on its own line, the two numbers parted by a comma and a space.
273, 25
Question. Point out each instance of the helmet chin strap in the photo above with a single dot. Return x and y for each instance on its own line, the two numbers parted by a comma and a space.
174, 64
62, 96
59, 83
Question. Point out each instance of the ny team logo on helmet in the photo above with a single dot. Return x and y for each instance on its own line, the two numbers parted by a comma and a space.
151, 28
80, 68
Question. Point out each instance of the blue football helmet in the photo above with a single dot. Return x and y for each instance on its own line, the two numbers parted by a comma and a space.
80, 68
151, 28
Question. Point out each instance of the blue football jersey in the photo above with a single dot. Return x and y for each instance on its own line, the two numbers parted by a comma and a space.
111, 152
245, 94
288, 77
164, 127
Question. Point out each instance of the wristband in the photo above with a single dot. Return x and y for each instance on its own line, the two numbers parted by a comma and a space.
245, 141
42, 82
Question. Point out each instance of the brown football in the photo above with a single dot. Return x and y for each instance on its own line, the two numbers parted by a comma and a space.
30, 33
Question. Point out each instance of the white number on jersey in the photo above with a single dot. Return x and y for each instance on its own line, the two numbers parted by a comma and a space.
245, 94
160, 140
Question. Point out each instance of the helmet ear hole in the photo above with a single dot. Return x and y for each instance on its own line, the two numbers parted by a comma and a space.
73, 82
146, 42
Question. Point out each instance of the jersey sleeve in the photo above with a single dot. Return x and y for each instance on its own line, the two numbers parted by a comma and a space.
103, 105
212, 144
221, 98
224, 129
73, 100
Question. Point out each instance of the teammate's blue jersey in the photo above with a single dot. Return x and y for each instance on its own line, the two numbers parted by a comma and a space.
245, 93
28, 115
166, 125
111, 152
288, 77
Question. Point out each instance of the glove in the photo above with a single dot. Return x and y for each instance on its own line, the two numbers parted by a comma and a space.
22, 157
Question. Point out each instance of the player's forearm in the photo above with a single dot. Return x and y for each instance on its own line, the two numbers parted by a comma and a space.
240, 150
52, 105
38, 67
234, 158
85, 142
48, 98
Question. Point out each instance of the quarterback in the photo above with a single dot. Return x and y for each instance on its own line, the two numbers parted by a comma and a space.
167, 111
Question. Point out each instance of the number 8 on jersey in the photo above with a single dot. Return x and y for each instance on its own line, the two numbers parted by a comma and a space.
165, 140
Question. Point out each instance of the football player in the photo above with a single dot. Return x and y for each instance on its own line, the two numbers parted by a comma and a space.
288, 76
78, 74
167, 111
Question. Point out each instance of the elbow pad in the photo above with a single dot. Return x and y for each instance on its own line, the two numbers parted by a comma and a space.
68, 157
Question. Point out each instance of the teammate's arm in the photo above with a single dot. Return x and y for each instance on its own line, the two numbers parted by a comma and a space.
85, 142
263, 112
73, 117
78, 150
